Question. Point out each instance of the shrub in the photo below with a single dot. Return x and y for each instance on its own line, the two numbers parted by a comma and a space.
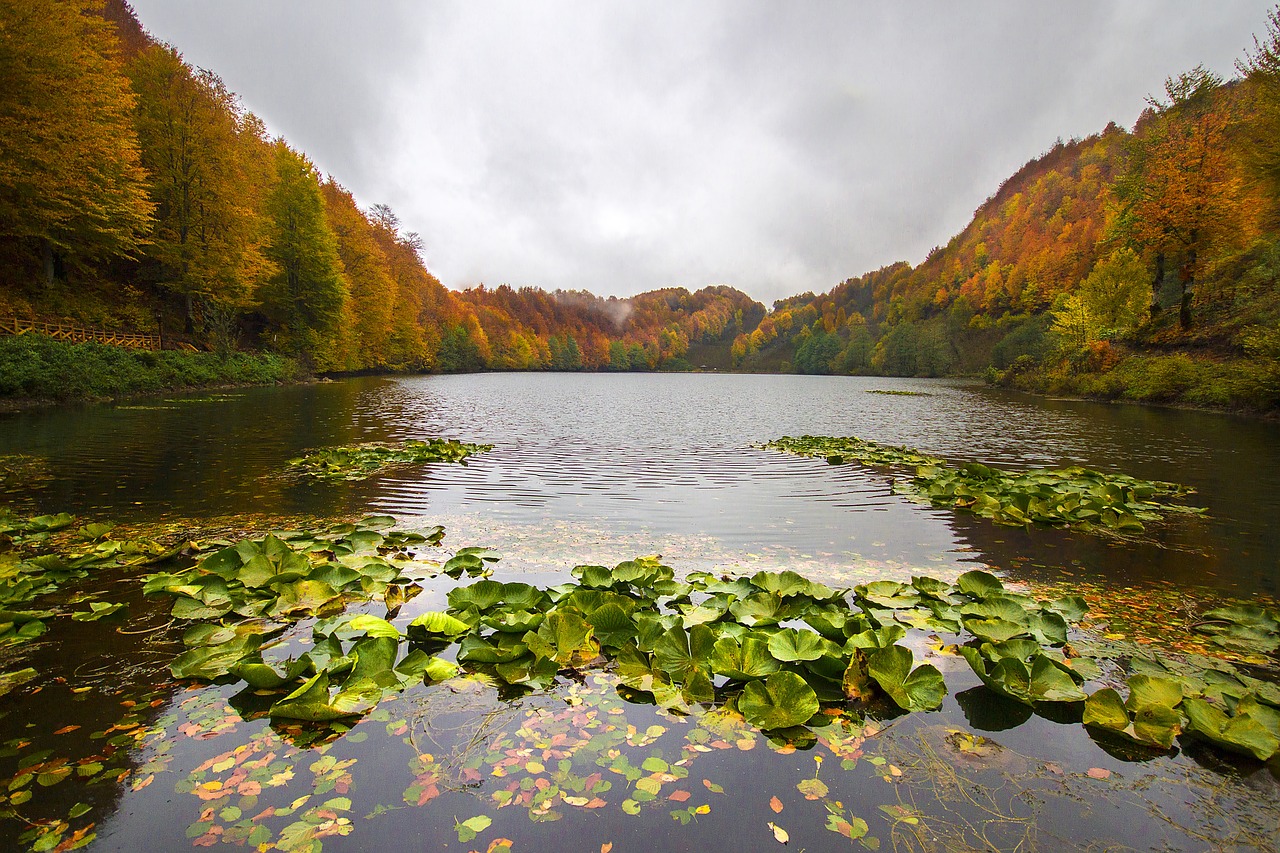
35, 366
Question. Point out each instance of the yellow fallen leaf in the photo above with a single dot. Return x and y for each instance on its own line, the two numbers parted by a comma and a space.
779, 834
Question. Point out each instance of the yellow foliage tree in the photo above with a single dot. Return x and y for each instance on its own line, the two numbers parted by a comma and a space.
70, 179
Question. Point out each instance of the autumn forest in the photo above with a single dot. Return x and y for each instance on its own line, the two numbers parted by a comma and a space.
136, 193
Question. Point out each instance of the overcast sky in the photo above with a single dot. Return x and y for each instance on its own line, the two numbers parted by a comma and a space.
618, 147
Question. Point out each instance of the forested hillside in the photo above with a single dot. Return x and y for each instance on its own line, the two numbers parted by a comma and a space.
136, 193
1141, 264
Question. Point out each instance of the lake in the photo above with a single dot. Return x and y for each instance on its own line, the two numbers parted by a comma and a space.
597, 469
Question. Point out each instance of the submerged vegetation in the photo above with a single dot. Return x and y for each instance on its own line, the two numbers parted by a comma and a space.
361, 461
1067, 497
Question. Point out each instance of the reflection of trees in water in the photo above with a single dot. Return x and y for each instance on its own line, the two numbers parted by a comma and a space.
1179, 548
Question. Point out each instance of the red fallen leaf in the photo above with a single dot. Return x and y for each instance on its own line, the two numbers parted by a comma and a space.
206, 816
776, 805
596, 803
249, 789
270, 811
606, 847
470, 774
65, 729
542, 783
679, 796
1098, 773
720, 744
428, 794
206, 840
592, 780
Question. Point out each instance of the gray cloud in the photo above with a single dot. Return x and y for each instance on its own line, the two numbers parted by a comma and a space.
776, 147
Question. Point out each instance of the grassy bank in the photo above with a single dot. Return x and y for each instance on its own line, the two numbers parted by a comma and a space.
1241, 384
34, 367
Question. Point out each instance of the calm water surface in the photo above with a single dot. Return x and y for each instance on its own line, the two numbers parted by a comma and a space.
606, 465
596, 469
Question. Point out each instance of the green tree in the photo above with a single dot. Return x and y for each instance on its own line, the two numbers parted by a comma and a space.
203, 246
817, 352
306, 296
1115, 291
70, 179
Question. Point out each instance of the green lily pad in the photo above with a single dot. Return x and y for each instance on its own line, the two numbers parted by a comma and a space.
565, 637
98, 610
435, 623
918, 689
780, 701
310, 702
790, 645
1043, 681
1148, 717
481, 595
1249, 730
212, 662
743, 660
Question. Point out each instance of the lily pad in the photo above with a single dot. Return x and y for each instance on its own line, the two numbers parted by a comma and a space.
918, 689
780, 701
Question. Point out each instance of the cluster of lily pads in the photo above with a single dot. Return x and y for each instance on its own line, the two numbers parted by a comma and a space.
289, 574
775, 645
361, 461
1067, 497
1231, 709
25, 575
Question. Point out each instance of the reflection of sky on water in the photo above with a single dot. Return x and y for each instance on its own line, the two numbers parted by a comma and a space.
667, 463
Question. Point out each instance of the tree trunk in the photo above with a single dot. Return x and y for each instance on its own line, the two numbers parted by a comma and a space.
1188, 286
1156, 283
46, 259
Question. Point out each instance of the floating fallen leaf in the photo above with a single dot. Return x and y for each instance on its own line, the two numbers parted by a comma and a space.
779, 834
606, 847
775, 804
1098, 773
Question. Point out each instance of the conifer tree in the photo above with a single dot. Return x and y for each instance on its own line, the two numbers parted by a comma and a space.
307, 295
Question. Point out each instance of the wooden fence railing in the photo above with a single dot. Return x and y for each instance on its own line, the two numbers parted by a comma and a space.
66, 332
